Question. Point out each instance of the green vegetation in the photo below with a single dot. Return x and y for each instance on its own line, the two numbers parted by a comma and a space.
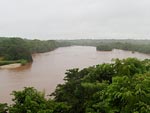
13, 49
23, 62
8, 62
120, 87
37, 46
143, 48
17, 50
3, 108
32, 101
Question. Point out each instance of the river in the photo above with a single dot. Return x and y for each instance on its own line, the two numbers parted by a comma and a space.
47, 69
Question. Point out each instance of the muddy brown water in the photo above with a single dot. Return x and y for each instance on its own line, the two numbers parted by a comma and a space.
47, 70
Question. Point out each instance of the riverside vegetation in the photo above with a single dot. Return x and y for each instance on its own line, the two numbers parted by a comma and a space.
142, 46
119, 87
122, 86
17, 50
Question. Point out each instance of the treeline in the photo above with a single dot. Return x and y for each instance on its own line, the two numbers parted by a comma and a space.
39, 46
118, 87
97, 42
21, 50
14, 49
18, 50
143, 48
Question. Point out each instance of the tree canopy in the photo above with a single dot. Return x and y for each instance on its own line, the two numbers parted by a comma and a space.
122, 86
17, 49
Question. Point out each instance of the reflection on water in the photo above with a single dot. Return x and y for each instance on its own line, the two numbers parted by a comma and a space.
48, 69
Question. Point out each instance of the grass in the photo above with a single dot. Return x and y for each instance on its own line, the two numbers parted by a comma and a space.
3, 62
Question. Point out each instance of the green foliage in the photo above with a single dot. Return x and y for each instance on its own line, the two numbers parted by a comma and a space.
143, 48
129, 66
12, 49
120, 87
3, 108
104, 47
17, 53
22, 61
8, 62
26, 101
32, 101
37, 46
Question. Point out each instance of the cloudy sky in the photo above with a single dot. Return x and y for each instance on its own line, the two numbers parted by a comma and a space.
75, 19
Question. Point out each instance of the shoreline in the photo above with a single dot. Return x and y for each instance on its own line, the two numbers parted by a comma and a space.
11, 66
17, 65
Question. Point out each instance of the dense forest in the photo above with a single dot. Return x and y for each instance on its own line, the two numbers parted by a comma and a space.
122, 86
96, 42
18, 50
142, 46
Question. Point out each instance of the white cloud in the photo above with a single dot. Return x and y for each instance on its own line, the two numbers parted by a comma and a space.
48, 19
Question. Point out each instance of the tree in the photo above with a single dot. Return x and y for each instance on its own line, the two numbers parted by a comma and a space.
3, 108
17, 52
119, 87
30, 100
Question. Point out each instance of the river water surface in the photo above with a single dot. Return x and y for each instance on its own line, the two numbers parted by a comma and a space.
47, 69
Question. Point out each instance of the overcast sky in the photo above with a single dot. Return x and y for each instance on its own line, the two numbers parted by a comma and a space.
75, 19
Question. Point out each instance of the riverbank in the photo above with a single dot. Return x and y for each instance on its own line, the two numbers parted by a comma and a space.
11, 66
142, 48
47, 69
